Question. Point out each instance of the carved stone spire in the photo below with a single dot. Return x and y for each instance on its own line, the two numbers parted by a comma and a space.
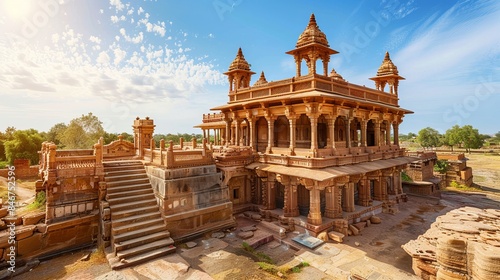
262, 80
336, 76
387, 67
239, 63
312, 34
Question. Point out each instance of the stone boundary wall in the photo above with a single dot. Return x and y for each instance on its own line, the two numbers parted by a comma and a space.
23, 169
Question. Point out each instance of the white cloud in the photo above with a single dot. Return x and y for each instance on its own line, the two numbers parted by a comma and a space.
117, 4
140, 11
95, 39
119, 55
103, 58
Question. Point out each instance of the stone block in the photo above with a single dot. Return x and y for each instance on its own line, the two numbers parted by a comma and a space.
191, 244
323, 236
3, 212
25, 232
33, 218
16, 220
336, 236
354, 230
59, 212
42, 228
30, 245
375, 220
256, 217
245, 234
360, 225
249, 228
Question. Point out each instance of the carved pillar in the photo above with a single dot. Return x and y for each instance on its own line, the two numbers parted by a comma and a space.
378, 193
364, 193
388, 133
292, 120
364, 125
251, 124
395, 128
314, 216
228, 131
290, 208
237, 122
377, 133
297, 65
271, 192
348, 133
270, 134
331, 132
348, 197
314, 133
333, 197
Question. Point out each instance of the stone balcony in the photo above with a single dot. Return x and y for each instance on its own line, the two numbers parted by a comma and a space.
323, 158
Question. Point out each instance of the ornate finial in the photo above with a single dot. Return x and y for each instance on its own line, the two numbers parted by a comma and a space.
387, 67
312, 20
262, 80
239, 63
312, 34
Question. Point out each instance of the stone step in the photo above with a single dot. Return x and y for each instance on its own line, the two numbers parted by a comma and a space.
135, 226
124, 177
133, 212
126, 199
133, 205
117, 165
139, 170
144, 181
134, 192
129, 253
135, 218
123, 168
138, 233
118, 264
131, 243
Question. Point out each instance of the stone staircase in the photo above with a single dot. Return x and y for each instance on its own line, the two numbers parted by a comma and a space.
138, 232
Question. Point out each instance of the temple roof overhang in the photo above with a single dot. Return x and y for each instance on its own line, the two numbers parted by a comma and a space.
331, 172
301, 96
218, 124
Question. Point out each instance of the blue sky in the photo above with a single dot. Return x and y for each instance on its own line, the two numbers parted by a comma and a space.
164, 59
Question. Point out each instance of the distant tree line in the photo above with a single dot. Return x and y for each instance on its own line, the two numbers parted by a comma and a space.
80, 133
466, 137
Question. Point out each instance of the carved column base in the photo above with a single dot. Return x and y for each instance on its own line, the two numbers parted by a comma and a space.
314, 219
291, 212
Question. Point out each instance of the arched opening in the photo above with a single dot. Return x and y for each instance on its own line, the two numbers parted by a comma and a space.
261, 132
303, 132
280, 195
370, 133
281, 132
303, 200
340, 132
322, 132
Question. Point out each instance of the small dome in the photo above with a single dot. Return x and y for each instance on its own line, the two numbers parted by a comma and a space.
335, 75
239, 63
262, 80
387, 67
312, 34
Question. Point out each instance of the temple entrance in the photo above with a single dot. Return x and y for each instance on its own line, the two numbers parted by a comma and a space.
303, 200
280, 195
261, 132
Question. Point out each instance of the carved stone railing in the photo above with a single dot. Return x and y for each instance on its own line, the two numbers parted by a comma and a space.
329, 161
118, 148
312, 82
181, 157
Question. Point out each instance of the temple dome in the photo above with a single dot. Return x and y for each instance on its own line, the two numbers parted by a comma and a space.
312, 34
387, 67
336, 76
239, 63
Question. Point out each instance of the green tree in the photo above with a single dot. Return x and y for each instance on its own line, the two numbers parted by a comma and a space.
25, 144
82, 132
453, 136
55, 133
428, 137
471, 138
8, 135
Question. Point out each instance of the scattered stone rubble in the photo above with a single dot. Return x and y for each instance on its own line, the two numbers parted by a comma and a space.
463, 244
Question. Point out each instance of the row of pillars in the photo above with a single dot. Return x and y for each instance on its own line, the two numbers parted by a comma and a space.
339, 197
235, 137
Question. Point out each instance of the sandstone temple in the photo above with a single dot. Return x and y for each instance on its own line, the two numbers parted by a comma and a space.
311, 151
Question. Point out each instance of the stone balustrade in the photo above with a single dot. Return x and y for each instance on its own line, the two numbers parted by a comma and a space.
312, 82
